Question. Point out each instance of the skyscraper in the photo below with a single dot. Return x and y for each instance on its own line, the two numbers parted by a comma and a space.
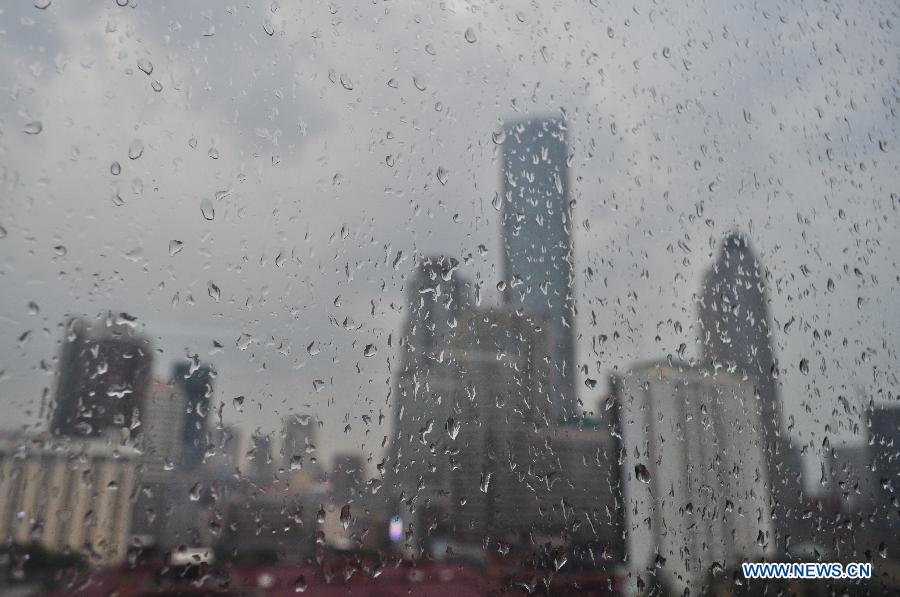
436, 300
694, 472
196, 382
537, 238
735, 332
104, 371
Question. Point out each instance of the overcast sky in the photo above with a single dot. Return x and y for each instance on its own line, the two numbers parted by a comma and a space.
315, 131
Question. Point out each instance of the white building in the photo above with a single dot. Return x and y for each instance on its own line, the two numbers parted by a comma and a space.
71, 495
697, 495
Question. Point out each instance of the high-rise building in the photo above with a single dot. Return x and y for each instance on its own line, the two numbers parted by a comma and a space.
537, 239
884, 445
64, 502
104, 371
298, 450
499, 399
196, 380
160, 477
735, 333
437, 297
694, 472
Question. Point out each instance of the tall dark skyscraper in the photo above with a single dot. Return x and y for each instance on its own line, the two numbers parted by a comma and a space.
537, 239
104, 372
196, 382
436, 300
735, 331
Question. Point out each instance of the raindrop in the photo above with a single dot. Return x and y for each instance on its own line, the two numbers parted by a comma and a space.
145, 65
370, 350
346, 83
156, 86
747, 117
320, 515
642, 474
122, 2
485, 481
269, 28
238, 403
300, 585
830, 285
313, 348
470, 36
419, 83
207, 209
136, 149
345, 516
498, 137
804, 366
213, 153
41, 4
175, 247
441, 175
60, 250
214, 292
34, 127
318, 384
666, 52
115, 169
195, 491
452, 427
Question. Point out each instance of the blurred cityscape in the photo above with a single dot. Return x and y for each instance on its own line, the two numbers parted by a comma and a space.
500, 476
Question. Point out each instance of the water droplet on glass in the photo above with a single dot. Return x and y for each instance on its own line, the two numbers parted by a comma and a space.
207, 209
115, 168
641, 473
33, 128
320, 515
213, 153
498, 137
345, 516
441, 175
156, 86
60, 250
318, 384
122, 2
41, 4
214, 292
666, 52
470, 36
145, 65
419, 83
804, 366
346, 83
370, 350
136, 149
195, 491
269, 28
452, 427
485, 482
300, 585
175, 247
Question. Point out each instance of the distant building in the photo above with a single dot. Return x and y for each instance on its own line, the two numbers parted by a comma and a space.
736, 333
298, 451
500, 399
694, 472
348, 479
537, 241
852, 478
196, 380
71, 496
884, 446
104, 370
260, 465
160, 483
436, 300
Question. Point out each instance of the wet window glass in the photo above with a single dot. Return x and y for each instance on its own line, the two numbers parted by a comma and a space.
449, 298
